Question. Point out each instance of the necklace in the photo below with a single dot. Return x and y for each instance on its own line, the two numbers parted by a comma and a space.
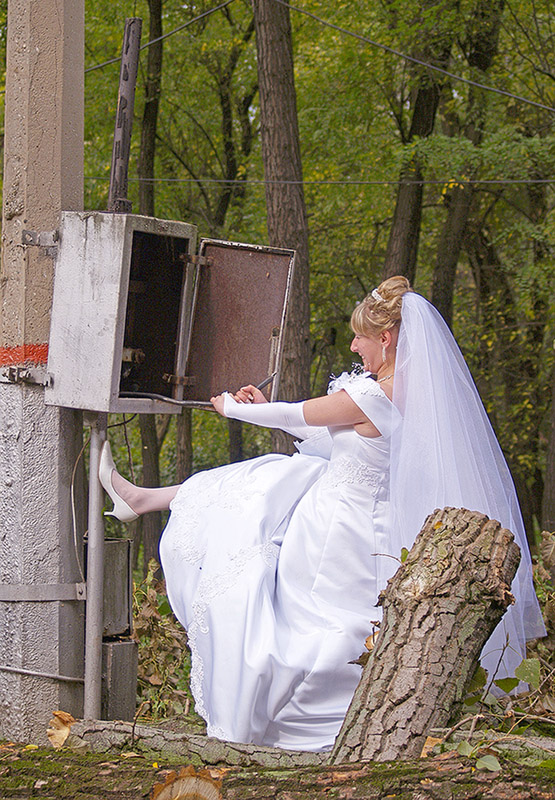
387, 377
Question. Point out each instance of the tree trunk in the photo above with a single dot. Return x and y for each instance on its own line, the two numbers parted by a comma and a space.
183, 445
448, 251
402, 246
481, 47
251, 772
150, 114
286, 211
151, 522
230, 161
548, 505
235, 430
439, 609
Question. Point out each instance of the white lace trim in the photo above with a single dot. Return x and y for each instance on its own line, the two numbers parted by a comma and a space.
344, 471
365, 384
191, 502
207, 590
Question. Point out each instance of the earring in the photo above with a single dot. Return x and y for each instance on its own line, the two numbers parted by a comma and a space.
384, 357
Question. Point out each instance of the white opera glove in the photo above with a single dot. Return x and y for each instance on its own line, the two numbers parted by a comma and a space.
287, 417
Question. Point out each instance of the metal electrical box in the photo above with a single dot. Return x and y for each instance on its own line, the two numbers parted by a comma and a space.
139, 320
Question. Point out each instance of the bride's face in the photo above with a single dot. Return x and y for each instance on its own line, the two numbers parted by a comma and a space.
369, 349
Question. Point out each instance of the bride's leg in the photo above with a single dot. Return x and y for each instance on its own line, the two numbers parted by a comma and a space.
129, 500
141, 499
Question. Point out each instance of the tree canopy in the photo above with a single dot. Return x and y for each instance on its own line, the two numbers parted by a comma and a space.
407, 159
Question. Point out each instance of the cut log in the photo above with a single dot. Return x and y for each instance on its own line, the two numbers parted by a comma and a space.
188, 784
439, 610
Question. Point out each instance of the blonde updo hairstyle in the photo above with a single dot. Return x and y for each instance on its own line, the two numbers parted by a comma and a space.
380, 310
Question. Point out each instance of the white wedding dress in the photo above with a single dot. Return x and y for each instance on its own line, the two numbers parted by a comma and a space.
274, 567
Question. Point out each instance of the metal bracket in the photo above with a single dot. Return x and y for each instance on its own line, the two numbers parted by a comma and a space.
34, 375
40, 238
179, 380
41, 592
133, 355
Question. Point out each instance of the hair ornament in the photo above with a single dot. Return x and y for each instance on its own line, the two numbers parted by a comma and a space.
376, 295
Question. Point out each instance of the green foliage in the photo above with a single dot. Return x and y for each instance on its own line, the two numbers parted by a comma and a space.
488, 762
164, 660
507, 684
478, 681
529, 672
354, 104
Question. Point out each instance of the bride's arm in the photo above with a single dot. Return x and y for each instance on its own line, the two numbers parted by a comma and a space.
335, 409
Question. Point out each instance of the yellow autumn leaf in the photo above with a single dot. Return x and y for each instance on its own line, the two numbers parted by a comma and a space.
59, 728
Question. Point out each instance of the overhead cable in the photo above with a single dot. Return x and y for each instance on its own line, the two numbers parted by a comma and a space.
354, 35
453, 182
413, 59
164, 35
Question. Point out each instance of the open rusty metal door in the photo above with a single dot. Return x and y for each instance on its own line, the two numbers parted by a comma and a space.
237, 303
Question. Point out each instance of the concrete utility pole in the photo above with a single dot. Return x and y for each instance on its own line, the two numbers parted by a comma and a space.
41, 610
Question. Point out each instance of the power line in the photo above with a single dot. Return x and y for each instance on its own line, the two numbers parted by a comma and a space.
354, 35
453, 182
413, 59
164, 35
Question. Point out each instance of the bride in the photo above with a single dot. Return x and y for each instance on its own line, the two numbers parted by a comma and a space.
274, 565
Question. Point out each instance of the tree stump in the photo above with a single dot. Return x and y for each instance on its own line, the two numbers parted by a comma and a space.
439, 610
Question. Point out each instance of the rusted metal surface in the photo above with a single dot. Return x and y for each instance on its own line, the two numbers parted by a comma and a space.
239, 319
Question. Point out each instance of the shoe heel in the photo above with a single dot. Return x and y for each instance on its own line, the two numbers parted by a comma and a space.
121, 509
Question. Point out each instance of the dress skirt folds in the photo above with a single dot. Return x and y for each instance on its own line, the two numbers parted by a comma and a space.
274, 567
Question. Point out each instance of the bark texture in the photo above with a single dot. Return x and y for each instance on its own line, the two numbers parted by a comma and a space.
98, 736
152, 522
150, 525
286, 210
278, 774
481, 44
402, 247
548, 506
153, 85
439, 610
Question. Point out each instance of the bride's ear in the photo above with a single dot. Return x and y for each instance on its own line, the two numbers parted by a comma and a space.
386, 338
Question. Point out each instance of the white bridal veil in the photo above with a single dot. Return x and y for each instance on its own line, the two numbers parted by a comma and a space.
445, 453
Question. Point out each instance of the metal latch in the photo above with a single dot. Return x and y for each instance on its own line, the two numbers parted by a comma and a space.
34, 375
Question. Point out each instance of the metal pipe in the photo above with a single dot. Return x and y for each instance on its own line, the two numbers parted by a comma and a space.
35, 674
94, 622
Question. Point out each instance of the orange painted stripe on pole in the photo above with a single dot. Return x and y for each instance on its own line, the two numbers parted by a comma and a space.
23, 354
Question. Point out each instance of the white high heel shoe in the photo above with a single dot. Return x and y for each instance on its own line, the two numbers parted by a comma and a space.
121, 509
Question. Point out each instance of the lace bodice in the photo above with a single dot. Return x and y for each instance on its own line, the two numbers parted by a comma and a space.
359, 378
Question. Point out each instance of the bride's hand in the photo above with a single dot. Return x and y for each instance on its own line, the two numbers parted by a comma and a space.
246, 394
249, 394
218, 403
